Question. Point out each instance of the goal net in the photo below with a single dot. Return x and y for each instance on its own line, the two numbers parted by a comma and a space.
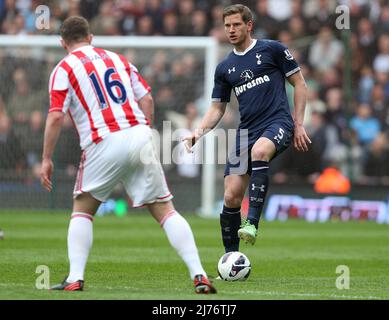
180, 72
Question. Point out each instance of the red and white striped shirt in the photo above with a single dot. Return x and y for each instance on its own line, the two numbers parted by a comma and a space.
100, 90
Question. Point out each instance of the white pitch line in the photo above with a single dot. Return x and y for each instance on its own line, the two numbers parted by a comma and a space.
277, 293
15, 285
274, 293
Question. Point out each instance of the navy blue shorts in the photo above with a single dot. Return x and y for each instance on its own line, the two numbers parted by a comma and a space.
239, 160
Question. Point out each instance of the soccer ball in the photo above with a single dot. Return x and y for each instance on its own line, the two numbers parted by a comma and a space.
234, 266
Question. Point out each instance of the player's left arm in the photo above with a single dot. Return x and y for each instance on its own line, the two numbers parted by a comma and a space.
146, 103
142, 92
301, 140
53, 128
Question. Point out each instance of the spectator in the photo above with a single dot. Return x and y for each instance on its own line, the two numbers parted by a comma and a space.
296, 27
15, 26
3, 111
265, 26
313, 104
285, 37
145, 26
155, 9
386, 122
32, 138
188, 163
335, 113
280, 10
217, 27
358, 58
105, 23
217, 16
68, 153
376, 167
183, 81
383, 23
366, 84
326, 139
165, 102
170, 24
358, 9
24, 100
365, 125
356, 156
379, 103
326, 51
29, 15
11, 153
200, 26
157, 73
73, 8
319, 13
89, 8
329, 79
185, 13
184, 119
366, 39
8, 15
381, 61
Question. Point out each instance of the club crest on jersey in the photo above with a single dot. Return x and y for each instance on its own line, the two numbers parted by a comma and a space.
258, 56
231, 70
247, 75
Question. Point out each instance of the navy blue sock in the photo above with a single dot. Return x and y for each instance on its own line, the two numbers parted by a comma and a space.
258, 184
230, 222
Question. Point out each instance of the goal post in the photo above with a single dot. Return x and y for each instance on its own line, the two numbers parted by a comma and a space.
207, 44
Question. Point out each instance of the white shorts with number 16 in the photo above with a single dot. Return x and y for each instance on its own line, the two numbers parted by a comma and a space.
128, 157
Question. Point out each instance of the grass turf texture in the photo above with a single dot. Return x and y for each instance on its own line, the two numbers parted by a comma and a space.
132, 259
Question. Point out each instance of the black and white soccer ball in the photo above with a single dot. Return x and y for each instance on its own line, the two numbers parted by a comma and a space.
234, 266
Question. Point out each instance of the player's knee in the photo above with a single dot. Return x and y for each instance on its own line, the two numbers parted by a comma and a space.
260, 154
232, 199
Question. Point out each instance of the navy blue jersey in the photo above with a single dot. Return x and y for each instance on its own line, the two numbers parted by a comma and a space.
257, 77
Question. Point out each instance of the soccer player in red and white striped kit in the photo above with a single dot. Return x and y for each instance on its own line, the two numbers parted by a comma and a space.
111, 107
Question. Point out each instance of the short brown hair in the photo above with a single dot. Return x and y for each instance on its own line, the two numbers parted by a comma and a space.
74, 29
244, 11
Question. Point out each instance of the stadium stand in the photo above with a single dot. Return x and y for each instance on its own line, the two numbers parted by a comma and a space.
349, 128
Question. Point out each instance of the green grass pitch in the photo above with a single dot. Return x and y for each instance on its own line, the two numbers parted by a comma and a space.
132, 259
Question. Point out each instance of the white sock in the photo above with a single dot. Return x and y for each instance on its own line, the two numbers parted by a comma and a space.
181, 238
80, 238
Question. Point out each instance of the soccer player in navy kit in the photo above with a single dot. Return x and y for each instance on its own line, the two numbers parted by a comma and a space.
255, 71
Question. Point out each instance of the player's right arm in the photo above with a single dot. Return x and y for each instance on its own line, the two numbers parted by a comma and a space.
59, 105
209, 121
53, 128
220, 97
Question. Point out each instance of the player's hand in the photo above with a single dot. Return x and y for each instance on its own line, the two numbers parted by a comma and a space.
301, 140
46, 171
190, 141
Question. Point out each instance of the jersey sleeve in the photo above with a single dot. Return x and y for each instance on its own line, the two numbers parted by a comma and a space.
221, 89
139, 85
284, 59
59, 90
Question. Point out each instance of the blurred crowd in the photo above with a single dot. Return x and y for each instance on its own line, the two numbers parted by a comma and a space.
347, 72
